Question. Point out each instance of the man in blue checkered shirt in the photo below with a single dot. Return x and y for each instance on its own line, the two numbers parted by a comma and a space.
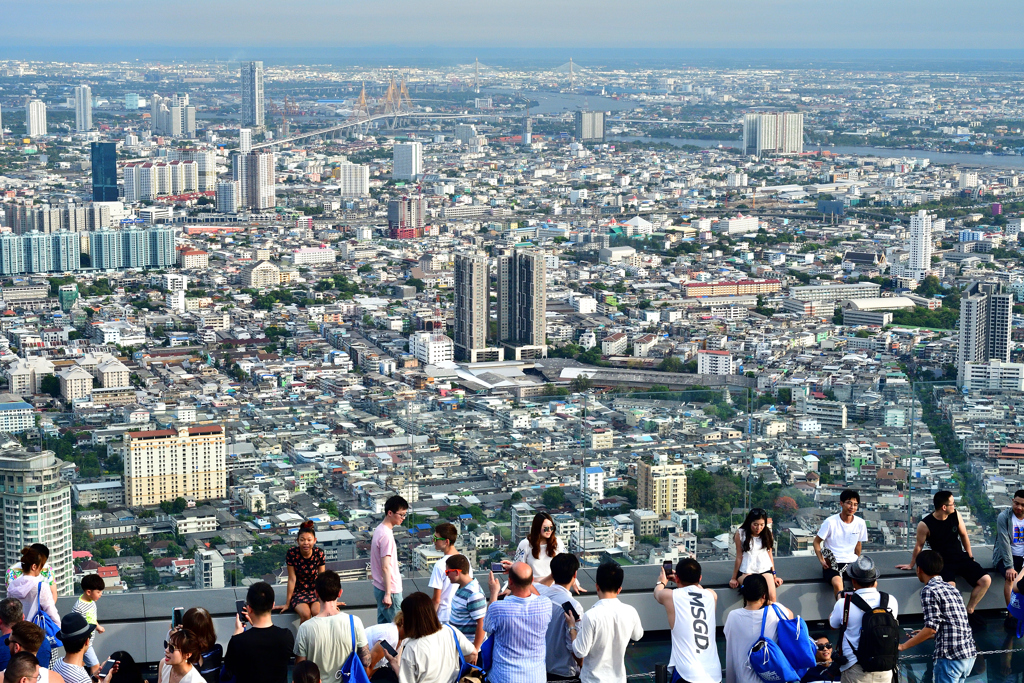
945, 619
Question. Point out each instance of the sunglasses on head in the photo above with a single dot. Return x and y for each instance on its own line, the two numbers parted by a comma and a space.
824, 646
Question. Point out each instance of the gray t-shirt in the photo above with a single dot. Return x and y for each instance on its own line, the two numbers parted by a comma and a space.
327, 642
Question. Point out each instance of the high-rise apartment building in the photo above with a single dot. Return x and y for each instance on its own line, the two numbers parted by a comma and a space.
39, 252
244, 140
119, 249
37, 509
661, 486
590, 126
229, 196
522, 301
986, 313
175, 463
35, 118
527, 133
173, 116
83, 108
259, 189
920, 264
408, 161
252, 95
406, 217
104, 171
472, 304
208, 570
773, 133
353, 179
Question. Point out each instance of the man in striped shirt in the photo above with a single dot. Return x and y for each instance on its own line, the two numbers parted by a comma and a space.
468, 606
518, 624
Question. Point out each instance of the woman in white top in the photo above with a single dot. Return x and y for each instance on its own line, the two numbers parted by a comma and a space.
538, 548
182, 651
392, 634
754, 543
743, 629
429, 653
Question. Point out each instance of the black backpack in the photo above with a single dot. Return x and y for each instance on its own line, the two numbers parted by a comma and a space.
879, 635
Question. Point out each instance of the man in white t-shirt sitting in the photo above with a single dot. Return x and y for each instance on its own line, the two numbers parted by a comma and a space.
445, 535
838, 541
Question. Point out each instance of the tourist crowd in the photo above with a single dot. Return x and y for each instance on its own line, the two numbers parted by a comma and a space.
524, 624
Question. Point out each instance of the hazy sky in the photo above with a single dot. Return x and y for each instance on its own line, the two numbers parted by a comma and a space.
874, 24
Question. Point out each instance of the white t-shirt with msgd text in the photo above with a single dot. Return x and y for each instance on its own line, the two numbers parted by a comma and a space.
842, 538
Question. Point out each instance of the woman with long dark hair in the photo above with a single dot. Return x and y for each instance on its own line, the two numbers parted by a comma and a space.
539, 547
429, 653
27, 586
199, 621
305, 562
754, 543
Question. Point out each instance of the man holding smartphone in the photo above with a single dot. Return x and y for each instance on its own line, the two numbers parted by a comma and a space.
691, 619
562, 664
260, 653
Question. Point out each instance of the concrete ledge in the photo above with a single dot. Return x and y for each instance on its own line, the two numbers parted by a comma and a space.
138, 622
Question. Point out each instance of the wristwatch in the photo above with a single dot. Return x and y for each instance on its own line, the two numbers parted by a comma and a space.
661, 582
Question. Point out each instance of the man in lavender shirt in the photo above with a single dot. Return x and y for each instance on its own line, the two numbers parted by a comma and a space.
387, 582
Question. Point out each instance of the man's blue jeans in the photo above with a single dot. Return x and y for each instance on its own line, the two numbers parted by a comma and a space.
385, 614
952, 670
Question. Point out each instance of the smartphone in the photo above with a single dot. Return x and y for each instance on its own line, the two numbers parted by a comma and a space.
667, 567
569, 609
498, 568
107, 666
387, 648
177, 617
240, 608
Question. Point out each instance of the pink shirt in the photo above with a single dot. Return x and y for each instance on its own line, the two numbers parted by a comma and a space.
383, 545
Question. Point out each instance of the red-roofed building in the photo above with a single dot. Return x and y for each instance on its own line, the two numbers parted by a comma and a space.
164, 464
715, 362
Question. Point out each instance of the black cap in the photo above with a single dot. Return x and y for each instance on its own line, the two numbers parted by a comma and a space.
74, 625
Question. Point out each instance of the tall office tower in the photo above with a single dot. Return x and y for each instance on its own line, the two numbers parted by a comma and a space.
244, 140
83, 108
773, 133
527, 135
229, 196
353, 180
408, 161
37, 509
104, 171
590, 126
985, 317
35, 118
258, 191
920, 246
252, 95
661, 486
522, 301
472, 303
170, 463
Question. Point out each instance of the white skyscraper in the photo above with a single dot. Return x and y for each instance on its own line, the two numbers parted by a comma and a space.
252, 94
35, 118
354, 180
83, 108
244, 140
920, 246
408, 161
228, 196
773, 133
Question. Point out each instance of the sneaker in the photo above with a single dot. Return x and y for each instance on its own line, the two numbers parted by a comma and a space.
976, 622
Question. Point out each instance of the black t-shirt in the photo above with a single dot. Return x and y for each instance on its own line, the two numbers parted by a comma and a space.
260, 655
821, 672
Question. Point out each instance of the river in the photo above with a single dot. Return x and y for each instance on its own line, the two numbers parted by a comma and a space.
960, 158
558, 102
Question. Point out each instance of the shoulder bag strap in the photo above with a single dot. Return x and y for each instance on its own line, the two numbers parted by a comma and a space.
352, 630
764, 619
883, 600
860, 603
39, 592
458, 647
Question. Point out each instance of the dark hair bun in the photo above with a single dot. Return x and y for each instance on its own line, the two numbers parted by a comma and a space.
307, 526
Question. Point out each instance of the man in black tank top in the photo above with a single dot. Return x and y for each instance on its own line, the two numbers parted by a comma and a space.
946, 534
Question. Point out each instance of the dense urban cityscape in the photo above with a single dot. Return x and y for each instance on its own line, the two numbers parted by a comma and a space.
246, 301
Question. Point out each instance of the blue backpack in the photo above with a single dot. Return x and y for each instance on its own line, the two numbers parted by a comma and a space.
466, 670
44, 621
352, 671
768, 661
795, 641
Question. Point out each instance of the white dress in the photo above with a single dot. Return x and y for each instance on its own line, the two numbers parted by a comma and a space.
755, 560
